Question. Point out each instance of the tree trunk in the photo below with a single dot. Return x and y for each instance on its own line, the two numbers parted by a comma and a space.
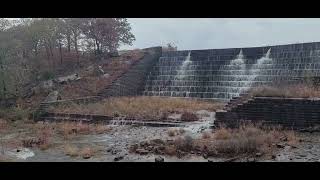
60, 51
36, 49
68, 42
76, 47
47, 52
98, 46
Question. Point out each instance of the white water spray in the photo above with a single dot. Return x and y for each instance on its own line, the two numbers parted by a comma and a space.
265, 59
239, 60
182, 71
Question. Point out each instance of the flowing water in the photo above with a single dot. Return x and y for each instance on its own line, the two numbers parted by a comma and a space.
221, 74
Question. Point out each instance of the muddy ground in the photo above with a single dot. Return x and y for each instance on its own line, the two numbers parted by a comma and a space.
114, 146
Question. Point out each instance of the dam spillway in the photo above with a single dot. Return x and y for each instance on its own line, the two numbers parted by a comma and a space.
222, 74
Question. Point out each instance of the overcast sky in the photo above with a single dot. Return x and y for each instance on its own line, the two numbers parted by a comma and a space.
200, 33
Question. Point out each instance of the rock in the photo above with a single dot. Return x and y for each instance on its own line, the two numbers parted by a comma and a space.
273, 156
292, 146
258, 154
114, 151
101, 71
205, 155
284, 139
142, 151
158, 141
118, 158
53, 96
144, 144
159, 159
86, 156
149, 148
65, 79
47, 84
279, 145
251, 160
106, 75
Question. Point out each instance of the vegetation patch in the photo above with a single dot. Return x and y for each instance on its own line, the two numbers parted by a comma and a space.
289, 91
147, 108
248, 140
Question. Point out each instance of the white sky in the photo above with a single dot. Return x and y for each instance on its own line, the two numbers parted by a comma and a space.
215, 33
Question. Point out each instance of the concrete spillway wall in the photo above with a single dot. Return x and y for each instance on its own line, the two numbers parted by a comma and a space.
226, 73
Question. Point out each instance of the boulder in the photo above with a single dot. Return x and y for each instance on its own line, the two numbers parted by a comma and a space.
106, 75
53, 96
142, 151
159, 159
47, 84
118, 158
73, 77
101, 71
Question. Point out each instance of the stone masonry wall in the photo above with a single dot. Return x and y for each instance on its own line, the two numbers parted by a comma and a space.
288, 112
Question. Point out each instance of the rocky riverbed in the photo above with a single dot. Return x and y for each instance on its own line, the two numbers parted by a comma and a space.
115, 146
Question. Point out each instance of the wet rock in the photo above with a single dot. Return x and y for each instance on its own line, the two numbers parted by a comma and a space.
142, 151
205, 155
284, 139
118, 158
144, 144
302, 155
149, 148
114, 151
159, 159
86, 156
279, 145
158, 141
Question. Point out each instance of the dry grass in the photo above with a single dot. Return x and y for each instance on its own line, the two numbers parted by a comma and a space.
3, 125
222, 133
43, 137
71, 150
206, 135
85, 152
187, 117
289, 91
139, 107
246, 140
70, 129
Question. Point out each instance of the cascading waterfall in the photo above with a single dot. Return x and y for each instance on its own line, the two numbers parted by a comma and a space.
182, 72
239, 63
254, 73
220, 74
265, 59
239, 60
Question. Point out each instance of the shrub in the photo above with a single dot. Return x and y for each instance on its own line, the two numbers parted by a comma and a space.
187, 116
47, 75
71, 150
248, 139
14, 113
175, 131
288, 91
184, 144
